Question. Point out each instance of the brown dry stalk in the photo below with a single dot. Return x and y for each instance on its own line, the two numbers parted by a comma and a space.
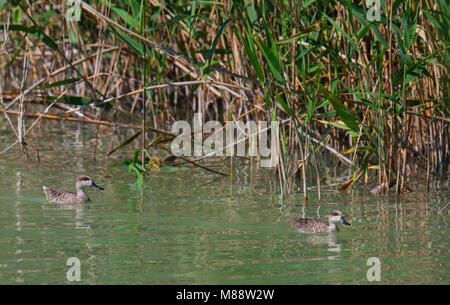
177, 57
88, 121
54, 73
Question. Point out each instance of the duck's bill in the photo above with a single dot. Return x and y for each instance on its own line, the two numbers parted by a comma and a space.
96, 186
345, 222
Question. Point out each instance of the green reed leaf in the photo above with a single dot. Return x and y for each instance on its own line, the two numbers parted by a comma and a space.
125, 143
126, 17
60, 83
215, 42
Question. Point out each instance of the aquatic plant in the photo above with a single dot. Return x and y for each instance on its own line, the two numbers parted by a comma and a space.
373, 93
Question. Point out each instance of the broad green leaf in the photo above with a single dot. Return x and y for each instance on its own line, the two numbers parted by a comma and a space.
216, 40
285, 106
60, 83
274, 66
135, 45
73, 100
344, 113
363, 32
306, 3
20, 28
125, 143
125, 16
251, 13
249, 46
47, 40
270, 52
339, 29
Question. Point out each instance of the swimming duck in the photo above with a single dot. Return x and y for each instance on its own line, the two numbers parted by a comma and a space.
69, 197
308, 225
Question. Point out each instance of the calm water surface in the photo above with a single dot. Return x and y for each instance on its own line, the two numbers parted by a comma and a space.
190, 226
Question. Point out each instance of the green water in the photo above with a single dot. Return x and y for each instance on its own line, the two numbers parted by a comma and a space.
194, 227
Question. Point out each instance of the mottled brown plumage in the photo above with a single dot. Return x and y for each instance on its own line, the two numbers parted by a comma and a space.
308, 225
70, 197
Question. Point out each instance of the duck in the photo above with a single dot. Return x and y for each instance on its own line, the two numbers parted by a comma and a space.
309, 225
66, 197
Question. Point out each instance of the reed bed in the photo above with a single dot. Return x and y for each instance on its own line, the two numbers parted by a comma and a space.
373, 95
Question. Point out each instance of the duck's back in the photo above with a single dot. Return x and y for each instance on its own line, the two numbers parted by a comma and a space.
308, 225
63, 196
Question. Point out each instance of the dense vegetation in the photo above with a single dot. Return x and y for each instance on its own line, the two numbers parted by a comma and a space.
373, 94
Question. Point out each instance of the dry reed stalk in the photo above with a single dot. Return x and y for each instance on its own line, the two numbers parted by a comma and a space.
235, 94
54, 73
87, 121
178, 58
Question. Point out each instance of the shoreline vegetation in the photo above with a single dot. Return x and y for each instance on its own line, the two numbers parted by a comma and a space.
373, 95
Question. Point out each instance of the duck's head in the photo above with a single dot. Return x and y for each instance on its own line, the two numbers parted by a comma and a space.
337, 216
86, 181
